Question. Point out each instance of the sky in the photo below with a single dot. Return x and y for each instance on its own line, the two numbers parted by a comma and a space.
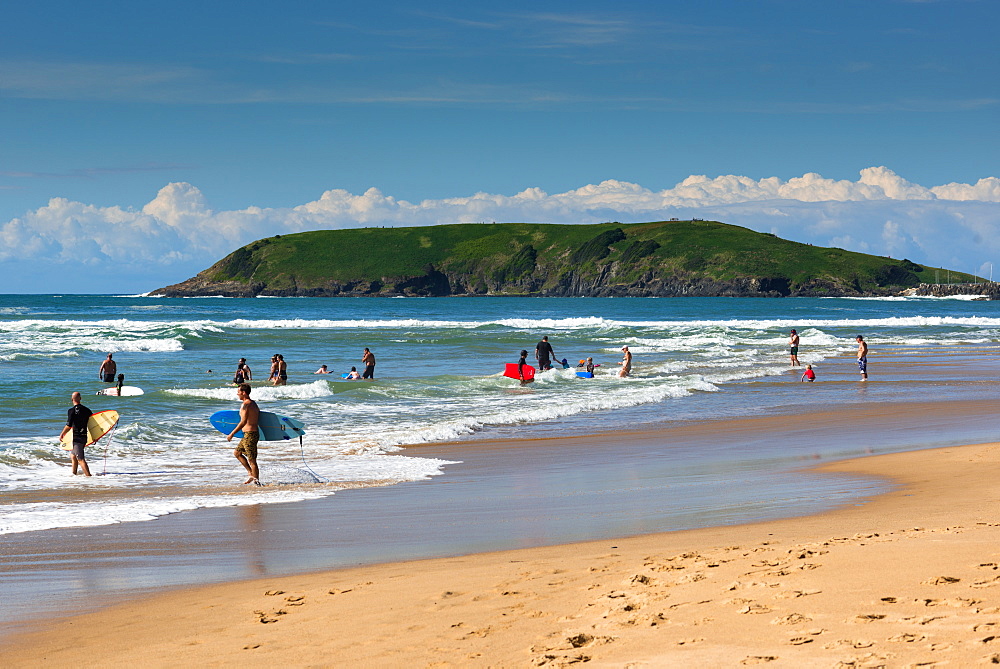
141, 142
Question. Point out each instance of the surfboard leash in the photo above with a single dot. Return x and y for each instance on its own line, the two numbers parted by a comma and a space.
107, 445
302, 450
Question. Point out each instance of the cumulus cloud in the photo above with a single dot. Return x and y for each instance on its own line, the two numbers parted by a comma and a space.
953, 225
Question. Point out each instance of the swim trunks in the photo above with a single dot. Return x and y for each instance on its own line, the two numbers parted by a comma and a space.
369, 372
248, 444
109, 378
78, 447
283, 376
863, 365
795, 350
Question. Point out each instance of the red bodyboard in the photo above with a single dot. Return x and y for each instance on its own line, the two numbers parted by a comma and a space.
511, 371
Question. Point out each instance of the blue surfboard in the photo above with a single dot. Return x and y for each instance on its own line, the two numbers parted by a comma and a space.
272, 426
585, 375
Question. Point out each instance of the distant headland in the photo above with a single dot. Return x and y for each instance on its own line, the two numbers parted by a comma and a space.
661, 259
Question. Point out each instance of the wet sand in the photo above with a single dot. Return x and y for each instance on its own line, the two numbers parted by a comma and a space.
911, 578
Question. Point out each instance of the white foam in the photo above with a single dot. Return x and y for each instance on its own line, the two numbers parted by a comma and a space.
260, 393
133, 466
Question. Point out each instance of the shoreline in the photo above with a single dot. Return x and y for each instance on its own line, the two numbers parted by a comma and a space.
503, 494
906, 576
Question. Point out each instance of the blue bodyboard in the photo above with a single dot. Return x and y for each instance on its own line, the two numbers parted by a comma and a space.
585, 375
272, 426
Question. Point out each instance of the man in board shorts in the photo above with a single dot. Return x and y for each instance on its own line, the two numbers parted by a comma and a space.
793, 343
862, 357
369, 361
246, 450
108, 369
76, 420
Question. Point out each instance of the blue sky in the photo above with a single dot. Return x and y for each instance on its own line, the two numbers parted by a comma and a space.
143, 141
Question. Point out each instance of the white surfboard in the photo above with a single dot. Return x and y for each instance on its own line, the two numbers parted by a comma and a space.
127, 391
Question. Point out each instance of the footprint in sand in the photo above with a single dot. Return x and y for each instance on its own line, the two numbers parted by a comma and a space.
989, 583
870, 660
869, 617
266, 618
956, 602
795, 594
569, 659
274, 593
791, 619
941, 580
758, 659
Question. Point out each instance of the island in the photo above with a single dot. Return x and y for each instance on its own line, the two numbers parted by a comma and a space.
658, 259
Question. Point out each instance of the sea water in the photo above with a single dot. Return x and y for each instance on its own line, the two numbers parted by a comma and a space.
437, 379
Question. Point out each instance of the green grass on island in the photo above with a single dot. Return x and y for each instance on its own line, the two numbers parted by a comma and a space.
660, 258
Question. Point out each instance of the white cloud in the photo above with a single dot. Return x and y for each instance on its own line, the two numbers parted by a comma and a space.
879, 213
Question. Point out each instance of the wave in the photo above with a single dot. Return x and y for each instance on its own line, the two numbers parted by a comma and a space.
589, 323
11, 357
305, 391
634, 391
911, 298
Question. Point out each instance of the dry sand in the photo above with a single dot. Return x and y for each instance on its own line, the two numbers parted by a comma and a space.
908, 579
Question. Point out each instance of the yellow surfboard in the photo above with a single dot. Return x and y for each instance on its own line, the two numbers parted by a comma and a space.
99, 425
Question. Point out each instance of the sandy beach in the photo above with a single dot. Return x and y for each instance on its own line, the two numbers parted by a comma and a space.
908, 578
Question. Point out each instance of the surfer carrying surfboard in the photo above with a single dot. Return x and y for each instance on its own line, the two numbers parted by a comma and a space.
520, 369
76, 420
246, 450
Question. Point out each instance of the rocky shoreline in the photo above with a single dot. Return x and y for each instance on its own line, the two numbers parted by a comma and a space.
439, 284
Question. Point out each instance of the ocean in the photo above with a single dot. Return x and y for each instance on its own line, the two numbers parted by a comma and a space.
438, 379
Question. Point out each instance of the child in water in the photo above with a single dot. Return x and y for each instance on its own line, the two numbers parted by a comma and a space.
808, 375
520, 368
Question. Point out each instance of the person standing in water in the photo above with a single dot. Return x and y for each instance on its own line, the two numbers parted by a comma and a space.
369, 361
282, 371
626, 363
793, 342
108, 370
862, 357
246, 450
76, 420
544, 354
242, 374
